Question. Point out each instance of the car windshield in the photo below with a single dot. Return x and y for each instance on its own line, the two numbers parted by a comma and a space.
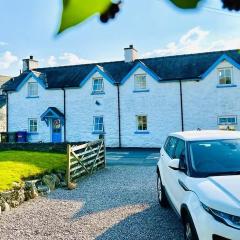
215, 157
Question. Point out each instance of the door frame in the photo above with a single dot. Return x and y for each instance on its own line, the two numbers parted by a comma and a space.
51, 129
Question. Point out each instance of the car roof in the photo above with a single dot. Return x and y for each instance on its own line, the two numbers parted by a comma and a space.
206, 135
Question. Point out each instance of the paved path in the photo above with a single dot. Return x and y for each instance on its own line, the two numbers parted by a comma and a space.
128, 157
119, 202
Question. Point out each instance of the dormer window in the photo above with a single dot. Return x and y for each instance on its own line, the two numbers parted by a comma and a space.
140, 82
98, 85
225, 76
32, 89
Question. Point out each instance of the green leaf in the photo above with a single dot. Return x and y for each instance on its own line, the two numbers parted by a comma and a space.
185, 3
76, 11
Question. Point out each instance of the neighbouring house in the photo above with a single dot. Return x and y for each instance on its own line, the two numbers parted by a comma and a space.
134, 102
3, 112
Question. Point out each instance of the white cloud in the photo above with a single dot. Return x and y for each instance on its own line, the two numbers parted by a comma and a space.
194, 41
7, 59
72, 59
66, 58
3, 44
52, 61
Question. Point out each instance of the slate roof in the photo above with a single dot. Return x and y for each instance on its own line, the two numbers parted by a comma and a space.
189, 66
57, 111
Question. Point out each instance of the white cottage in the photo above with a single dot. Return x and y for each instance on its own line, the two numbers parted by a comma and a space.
3, 112
135, 102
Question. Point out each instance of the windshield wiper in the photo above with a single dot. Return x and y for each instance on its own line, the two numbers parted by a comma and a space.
224, 173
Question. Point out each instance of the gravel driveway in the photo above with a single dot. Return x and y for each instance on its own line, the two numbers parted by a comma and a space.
119, 202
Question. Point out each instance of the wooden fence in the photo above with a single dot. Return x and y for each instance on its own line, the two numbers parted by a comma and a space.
84, 159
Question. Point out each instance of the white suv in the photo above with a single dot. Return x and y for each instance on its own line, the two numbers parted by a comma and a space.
199, 176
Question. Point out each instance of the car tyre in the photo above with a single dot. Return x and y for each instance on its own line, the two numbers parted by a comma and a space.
190, 232
162, 198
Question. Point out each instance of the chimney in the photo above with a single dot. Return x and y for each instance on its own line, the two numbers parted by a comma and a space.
130, 54
29, 64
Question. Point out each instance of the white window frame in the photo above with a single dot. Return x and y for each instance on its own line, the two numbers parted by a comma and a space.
102, 85
32, 92
227, 120
94, 124
32, 125
139, 86
224, 69
137, 123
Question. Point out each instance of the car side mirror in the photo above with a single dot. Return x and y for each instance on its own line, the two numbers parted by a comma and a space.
174, 164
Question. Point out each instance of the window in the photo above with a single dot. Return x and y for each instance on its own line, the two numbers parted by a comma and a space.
227, 120
215, 157
98, 124
32, 89
225, 76
33, 126
142, 123
180, 149
98, 85
140, 82
170, 146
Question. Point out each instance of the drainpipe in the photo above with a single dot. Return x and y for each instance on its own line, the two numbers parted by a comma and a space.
64, 112
181, 105
119, 116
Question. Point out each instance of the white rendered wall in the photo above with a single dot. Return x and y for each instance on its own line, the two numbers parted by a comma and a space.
81, 107
203, 102
21, 108
161, 105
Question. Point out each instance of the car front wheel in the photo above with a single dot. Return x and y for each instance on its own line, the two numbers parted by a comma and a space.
190, 232
162, 198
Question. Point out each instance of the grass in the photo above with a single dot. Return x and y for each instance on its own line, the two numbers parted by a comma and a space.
18, 165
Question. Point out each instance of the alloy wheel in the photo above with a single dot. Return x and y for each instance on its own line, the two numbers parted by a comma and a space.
159, 188
188, 230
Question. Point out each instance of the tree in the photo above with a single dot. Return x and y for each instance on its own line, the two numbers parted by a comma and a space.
77, 11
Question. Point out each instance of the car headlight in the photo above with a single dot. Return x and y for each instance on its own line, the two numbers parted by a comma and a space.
225, 218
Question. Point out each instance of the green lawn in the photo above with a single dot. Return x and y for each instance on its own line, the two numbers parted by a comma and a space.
17, 165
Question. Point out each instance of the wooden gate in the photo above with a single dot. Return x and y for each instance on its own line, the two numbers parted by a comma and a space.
84, 159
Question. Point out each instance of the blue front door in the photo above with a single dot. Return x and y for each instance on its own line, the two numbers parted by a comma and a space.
56, 131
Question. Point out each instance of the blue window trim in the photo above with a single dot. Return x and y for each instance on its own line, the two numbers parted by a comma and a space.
141, 90
226, 85
32, 97
98, 93
100, 70
218, 61
98, 132
228, 116
141, 132
144, 68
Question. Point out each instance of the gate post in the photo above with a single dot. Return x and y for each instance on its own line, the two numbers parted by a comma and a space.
68, 177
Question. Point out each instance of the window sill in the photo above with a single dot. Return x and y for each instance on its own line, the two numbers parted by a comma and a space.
99, 132
33, 133
141, 90
32, 97
97, 93
226, 85
142, 132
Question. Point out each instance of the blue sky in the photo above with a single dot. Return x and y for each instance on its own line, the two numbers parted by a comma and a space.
155, 28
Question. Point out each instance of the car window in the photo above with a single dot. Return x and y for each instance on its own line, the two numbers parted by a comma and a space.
170, 147
166, 143
180, 149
